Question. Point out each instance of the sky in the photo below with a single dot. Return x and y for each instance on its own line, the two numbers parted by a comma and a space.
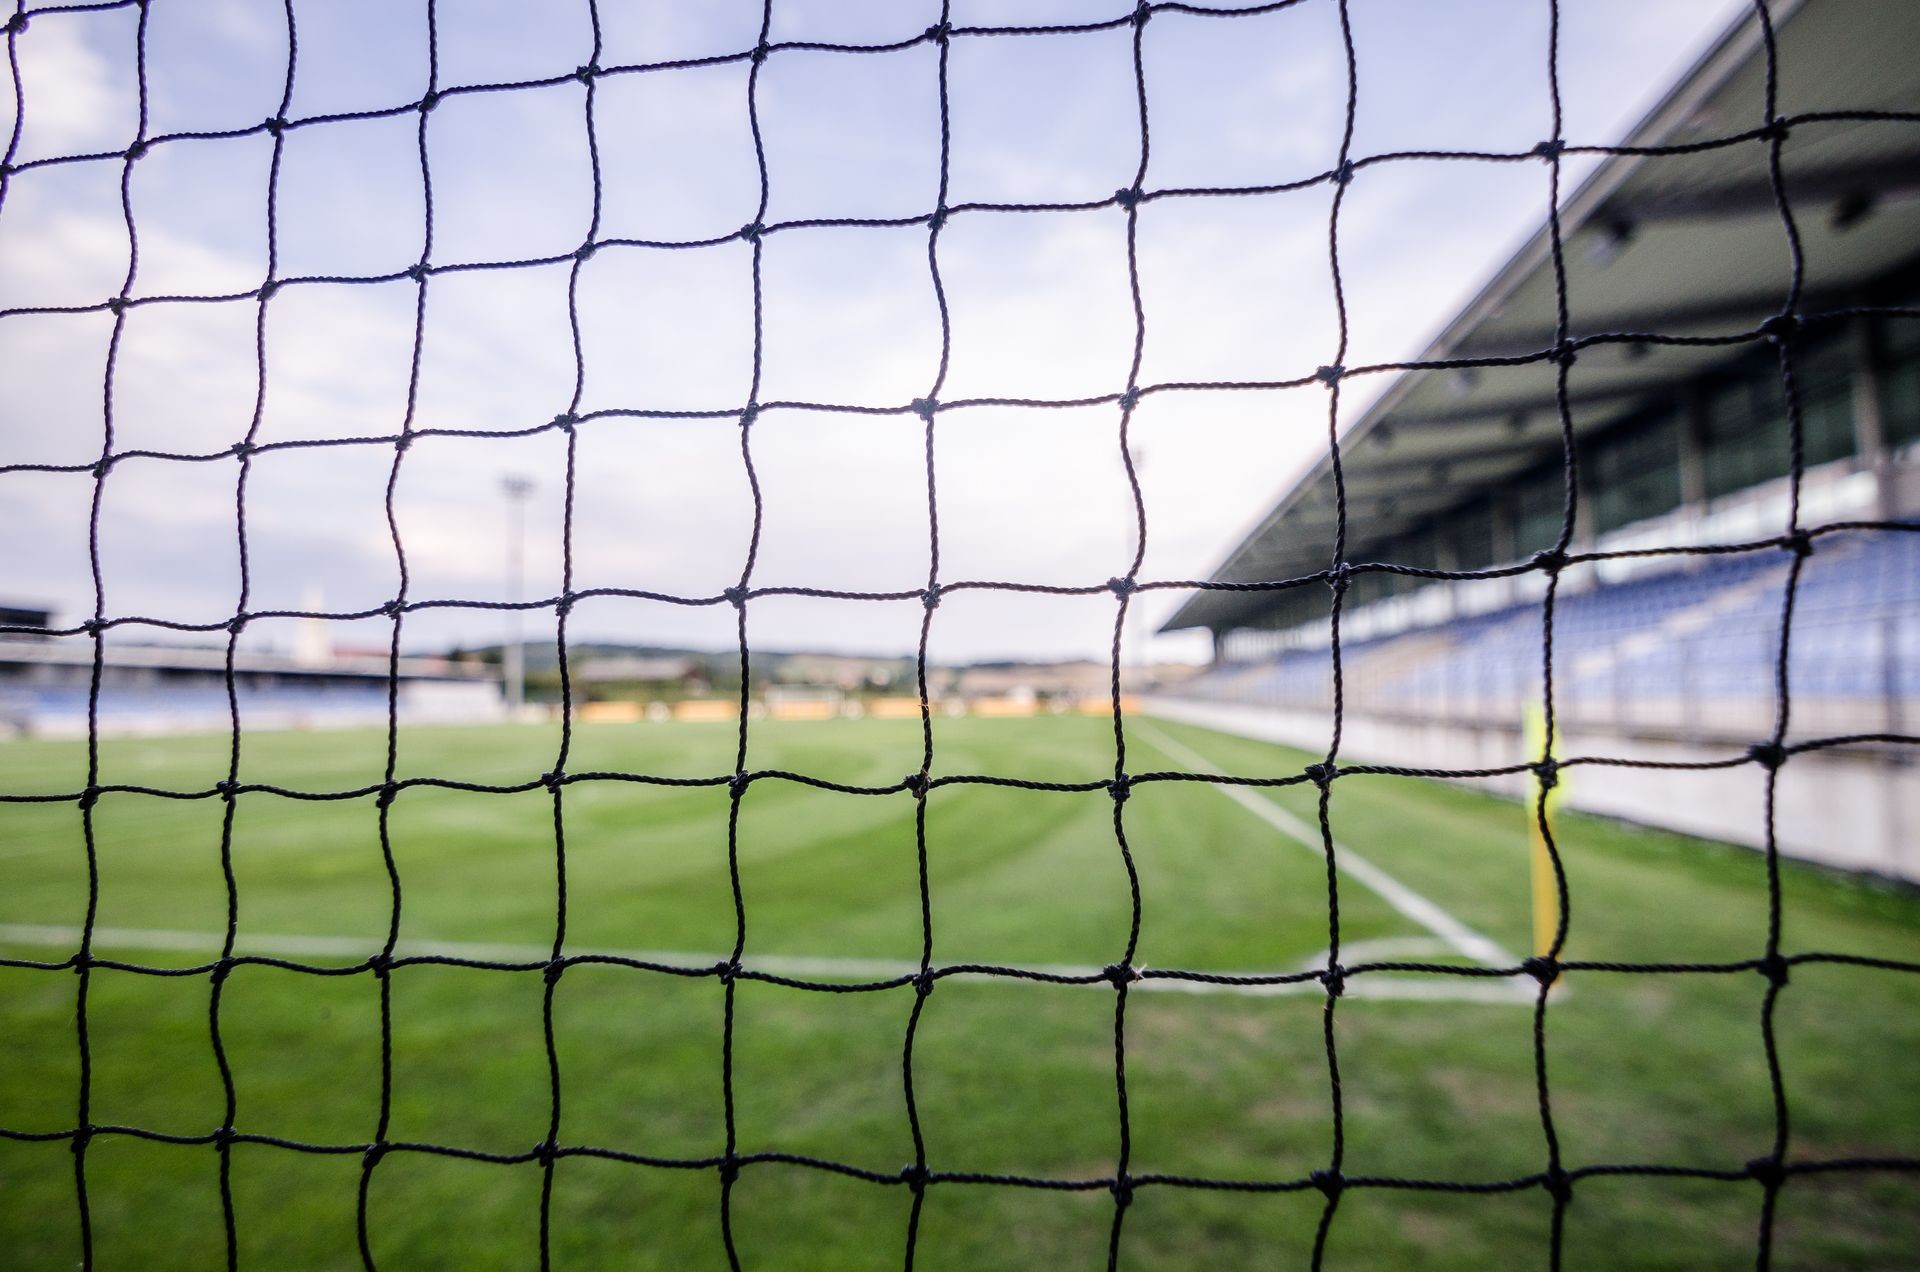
1234, 288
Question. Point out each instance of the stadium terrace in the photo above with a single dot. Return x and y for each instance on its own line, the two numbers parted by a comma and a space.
45, 686
1681, 288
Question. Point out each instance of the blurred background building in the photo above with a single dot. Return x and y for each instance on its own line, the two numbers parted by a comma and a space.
46, 684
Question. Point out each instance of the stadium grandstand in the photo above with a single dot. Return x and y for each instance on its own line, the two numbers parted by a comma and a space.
1668, 656
161, 689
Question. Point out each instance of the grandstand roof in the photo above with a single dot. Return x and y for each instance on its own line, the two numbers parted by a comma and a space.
1679, 244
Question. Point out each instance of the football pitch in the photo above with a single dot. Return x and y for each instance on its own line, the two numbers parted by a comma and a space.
1011, 1077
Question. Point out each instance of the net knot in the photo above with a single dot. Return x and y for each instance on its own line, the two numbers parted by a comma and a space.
223, 1137
1542, 968
738, 783
89, 797
1321, 774
585, 250
429, 100
916, 784
403, 441
1565, 354
1340, 578
938, 219
1775, 130
226, 789
759, 53
554, 969
268, 288
15, 24
1335, 979
938, 32
137, 149
563, 604
1552, 560
1780, 327
1329, 1182
1128, 197
545, 1151
242, 449
1548, 771
1122, 1190
1768, 1170
752, 231
586, 73
392, 609
1552, 148
1121, 586
1768, 755
729, 1169
565, 421
380, 965
735, 595
914, 1176
1558, 1183
1775, 969
221, 970
275, 125
371, 1158
1129, 399
82, 960
1141, 13
94, 626
931, 598
727, 971
553, 781
1343, 175
417, 272
116, 305
1120, 787
926, 407
237, 624
102, 466
384, 798
1800, 543
81, 1135
1330, 375
1120, 975
748, 416
923, 982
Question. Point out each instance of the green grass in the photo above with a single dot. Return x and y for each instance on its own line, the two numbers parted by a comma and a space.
1010, 1077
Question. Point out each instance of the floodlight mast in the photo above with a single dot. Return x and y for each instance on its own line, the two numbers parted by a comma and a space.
517, 488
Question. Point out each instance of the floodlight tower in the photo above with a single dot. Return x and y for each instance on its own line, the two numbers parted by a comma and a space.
517, 488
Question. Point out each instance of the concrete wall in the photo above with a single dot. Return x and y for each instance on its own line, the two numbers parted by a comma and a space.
1854, 808
421, 702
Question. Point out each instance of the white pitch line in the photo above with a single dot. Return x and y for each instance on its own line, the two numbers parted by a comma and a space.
799, 967
1481, 949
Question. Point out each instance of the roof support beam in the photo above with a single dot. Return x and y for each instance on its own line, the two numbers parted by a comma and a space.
1876, 183
1506, 410
1728, 316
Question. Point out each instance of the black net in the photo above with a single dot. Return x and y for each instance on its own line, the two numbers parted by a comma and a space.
1557, 1178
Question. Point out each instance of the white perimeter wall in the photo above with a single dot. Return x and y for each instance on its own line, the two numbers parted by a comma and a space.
1856, 809
421, 702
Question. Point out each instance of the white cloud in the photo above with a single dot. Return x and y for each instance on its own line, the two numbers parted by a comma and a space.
1040, 308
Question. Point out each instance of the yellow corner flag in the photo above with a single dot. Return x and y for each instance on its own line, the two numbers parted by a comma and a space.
1546, 896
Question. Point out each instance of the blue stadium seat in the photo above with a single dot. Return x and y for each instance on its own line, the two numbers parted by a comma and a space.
1708, 628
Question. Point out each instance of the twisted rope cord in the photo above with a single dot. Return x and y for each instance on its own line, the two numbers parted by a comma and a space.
1782, 331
